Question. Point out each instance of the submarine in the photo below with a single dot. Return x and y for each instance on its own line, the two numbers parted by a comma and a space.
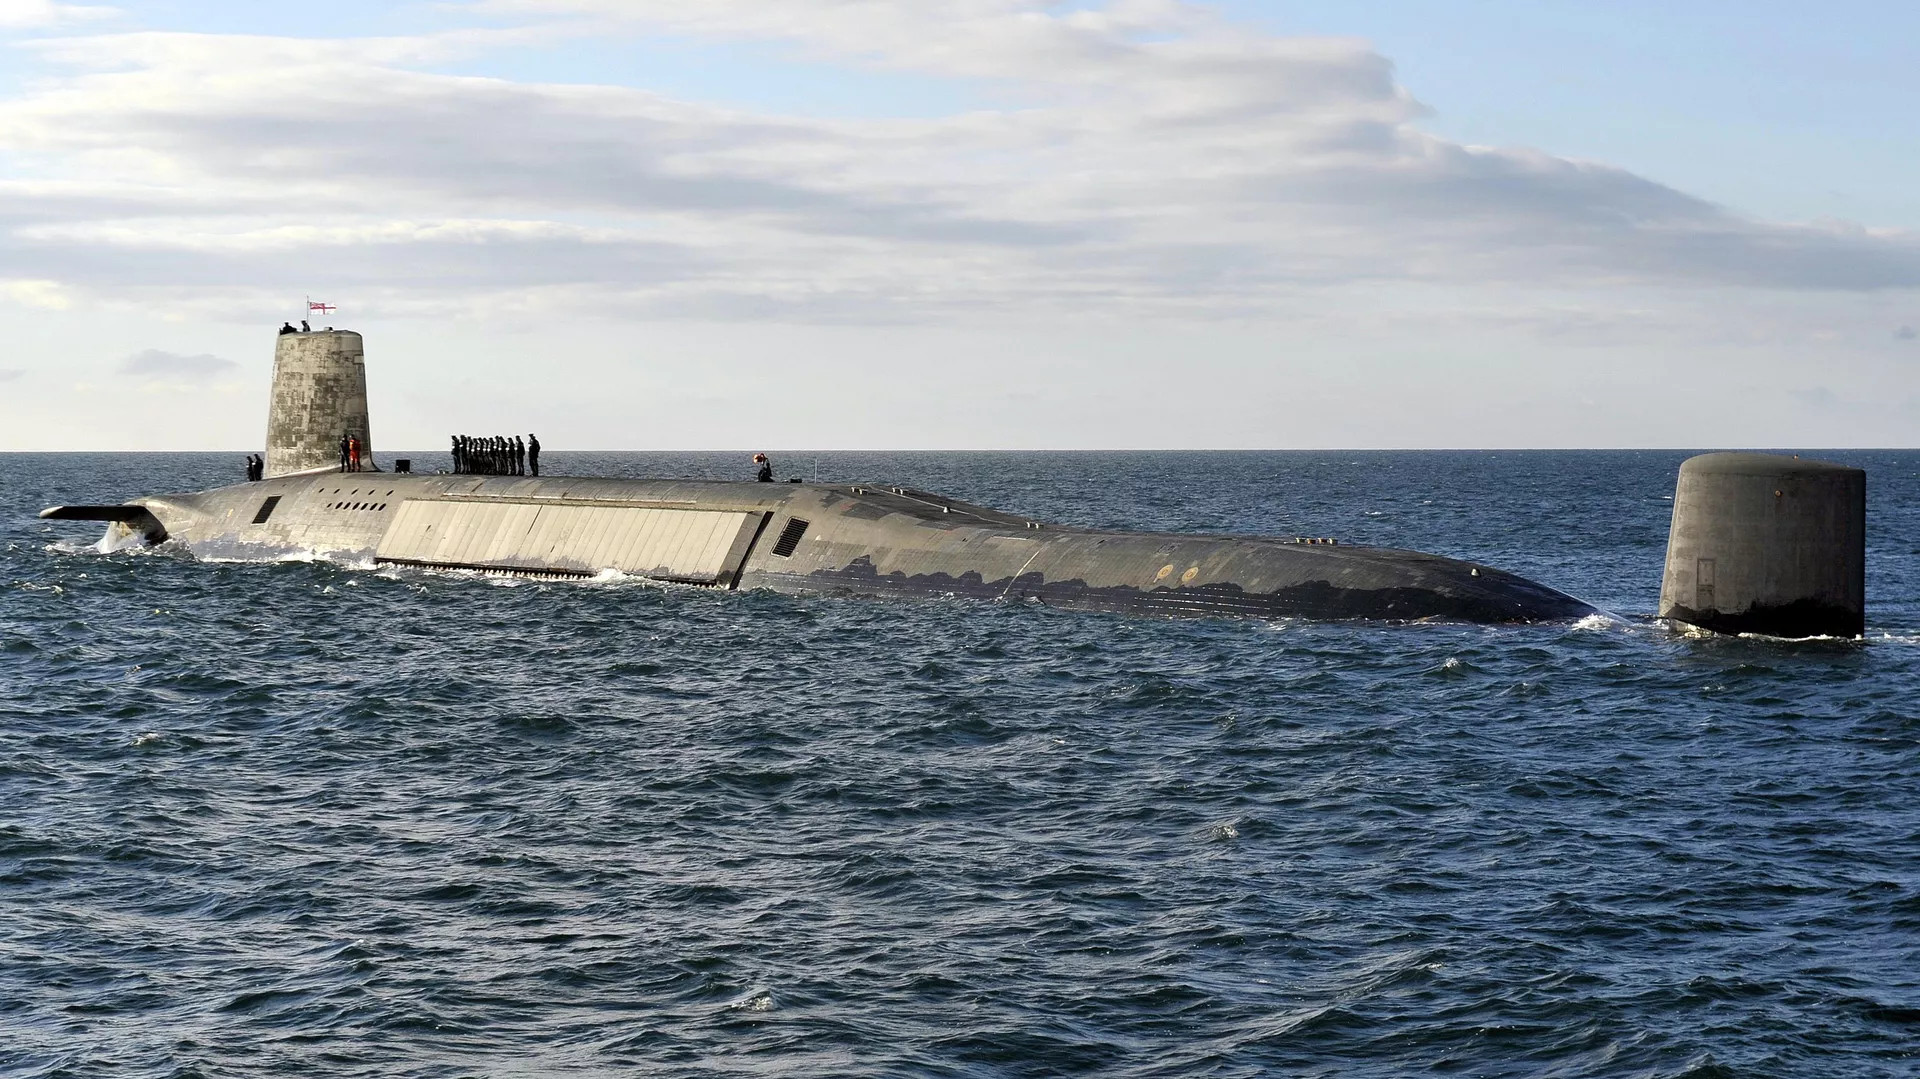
842, 539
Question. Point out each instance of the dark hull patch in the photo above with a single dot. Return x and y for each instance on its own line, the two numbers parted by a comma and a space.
1522, 601
1801, 618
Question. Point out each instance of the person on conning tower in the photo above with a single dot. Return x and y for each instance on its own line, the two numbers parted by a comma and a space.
765, 474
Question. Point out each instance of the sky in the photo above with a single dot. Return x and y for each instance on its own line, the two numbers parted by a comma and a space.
971, 224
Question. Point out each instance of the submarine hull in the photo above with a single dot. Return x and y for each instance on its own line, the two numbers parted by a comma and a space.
820, 539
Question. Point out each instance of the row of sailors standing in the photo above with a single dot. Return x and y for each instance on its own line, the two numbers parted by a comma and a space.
498, 455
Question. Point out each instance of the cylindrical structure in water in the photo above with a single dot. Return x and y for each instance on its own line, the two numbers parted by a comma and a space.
1767, 544
319, 396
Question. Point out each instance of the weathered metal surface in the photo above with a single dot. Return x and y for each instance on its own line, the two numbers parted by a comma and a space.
1762, 543
319, 393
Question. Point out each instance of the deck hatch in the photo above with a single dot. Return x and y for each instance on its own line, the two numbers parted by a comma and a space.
266, 509
790, 537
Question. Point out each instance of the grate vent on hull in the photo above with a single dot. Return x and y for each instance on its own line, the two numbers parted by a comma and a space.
790, 537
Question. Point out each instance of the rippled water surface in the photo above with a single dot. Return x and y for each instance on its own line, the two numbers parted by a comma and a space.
301, 819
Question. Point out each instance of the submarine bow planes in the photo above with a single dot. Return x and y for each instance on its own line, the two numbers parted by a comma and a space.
798, 538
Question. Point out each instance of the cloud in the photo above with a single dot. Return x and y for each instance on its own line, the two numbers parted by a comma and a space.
154, 364
1816, 397
49, 295
1906, 333
1148, 156
8, 374
34, 14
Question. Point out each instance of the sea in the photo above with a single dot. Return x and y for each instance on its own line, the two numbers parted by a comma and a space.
308, 819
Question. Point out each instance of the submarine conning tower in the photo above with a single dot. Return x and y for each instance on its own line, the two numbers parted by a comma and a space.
319, 393
1767, 544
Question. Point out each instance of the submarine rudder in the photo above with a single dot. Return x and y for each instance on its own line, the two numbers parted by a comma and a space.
1767, 544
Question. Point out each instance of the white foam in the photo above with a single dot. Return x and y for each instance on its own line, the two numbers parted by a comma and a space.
759, 1000
1701, 633
290, 556
108, 543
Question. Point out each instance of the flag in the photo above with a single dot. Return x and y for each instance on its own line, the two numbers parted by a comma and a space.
323, 308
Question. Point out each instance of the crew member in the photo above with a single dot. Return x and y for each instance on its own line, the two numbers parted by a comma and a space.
343, 451
304, 328
519, 456
533, 453
765, 474
287, 328
353, 453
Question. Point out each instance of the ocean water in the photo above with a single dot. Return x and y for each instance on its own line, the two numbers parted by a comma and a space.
304, 819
